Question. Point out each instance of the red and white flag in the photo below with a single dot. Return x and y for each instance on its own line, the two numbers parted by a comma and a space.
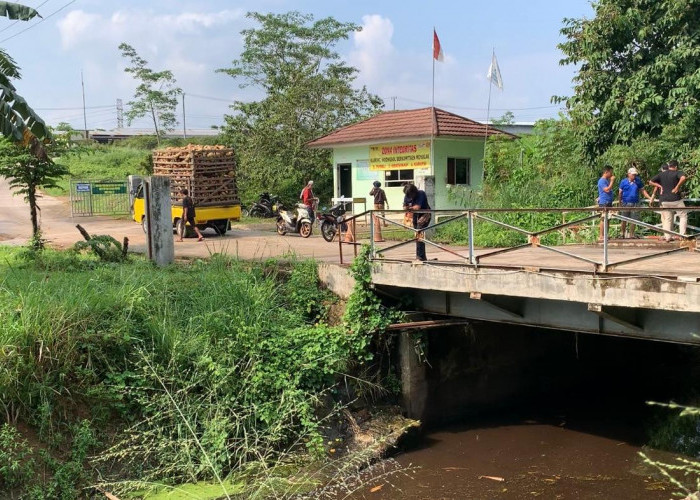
438, 55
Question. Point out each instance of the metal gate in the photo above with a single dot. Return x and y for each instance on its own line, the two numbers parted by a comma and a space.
89, 197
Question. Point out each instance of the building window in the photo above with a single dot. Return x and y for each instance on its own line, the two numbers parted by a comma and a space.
394, 178
458, 171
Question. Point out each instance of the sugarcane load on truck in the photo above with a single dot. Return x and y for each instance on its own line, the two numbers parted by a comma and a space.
208, 173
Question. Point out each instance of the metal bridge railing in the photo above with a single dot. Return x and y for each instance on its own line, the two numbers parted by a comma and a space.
363, 233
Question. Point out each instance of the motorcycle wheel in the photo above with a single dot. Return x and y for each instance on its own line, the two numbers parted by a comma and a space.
305, 229
328, 230
281, 227
257, 211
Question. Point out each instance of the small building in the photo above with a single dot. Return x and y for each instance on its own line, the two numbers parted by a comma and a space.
394, 147
119, 134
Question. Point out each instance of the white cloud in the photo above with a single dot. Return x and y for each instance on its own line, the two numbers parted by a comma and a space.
373, 48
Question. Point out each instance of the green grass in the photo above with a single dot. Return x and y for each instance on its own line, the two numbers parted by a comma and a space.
192, 373
103, 163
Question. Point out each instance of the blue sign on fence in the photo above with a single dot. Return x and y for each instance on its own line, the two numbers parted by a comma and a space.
82, 188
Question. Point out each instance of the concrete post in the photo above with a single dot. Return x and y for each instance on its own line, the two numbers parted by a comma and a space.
159, 224
414, 385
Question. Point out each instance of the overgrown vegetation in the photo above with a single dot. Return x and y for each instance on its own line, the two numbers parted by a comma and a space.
208, 371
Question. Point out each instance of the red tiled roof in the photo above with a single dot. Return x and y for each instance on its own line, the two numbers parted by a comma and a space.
422, 122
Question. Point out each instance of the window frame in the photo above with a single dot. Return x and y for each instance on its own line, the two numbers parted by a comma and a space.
401, 177
451, 178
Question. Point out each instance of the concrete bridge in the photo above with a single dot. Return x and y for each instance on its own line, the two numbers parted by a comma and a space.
643, 288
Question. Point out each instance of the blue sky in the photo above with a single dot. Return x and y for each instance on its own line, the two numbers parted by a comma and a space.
392, 52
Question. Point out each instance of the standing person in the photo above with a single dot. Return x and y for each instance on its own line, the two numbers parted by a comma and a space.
663, 168
307, 198
379, 202
669, 184
605, 195
628, 191
188, 215
417, 200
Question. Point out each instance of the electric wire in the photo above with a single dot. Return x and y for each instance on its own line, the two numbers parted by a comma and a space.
37, 24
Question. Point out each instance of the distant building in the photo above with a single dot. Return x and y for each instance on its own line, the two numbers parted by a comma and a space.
394, 148
109, 136
517, 128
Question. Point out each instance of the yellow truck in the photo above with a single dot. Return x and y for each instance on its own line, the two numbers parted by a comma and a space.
209, 174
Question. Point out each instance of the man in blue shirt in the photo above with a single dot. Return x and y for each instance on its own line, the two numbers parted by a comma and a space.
605, 194
628, 191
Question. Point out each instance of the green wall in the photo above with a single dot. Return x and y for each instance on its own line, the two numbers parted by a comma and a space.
443, 148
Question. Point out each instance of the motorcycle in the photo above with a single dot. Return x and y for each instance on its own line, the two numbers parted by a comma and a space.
331, 221
266, 206
300, 221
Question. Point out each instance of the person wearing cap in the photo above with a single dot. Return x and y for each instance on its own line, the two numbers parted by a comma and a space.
628, 191
669, 185
379, 202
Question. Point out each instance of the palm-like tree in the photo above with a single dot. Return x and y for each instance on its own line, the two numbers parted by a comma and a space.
17, 119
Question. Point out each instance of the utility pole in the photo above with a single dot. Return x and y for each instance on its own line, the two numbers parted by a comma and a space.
120, 114
184, 119
82, 83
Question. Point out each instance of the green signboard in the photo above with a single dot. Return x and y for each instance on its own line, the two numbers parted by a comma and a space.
109, 188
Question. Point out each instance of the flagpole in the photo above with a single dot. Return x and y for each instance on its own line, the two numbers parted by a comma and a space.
488, 113
432, 114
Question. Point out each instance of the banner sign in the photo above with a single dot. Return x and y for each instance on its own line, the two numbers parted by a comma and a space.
363, 173
400, 156
82, 187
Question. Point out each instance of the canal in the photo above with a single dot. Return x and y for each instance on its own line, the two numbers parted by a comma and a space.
575, 433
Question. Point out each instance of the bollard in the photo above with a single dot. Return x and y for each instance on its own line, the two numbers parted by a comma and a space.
159, 223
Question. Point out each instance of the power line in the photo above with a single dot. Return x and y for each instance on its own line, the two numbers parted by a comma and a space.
18, 20
73, 109
211, 98
37, 24
477, 109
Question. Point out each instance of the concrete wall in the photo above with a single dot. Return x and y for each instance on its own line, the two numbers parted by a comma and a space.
478, 369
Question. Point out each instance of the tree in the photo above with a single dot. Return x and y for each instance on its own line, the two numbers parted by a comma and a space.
17, 119
27, 174
308, 91
639, 72
156, 94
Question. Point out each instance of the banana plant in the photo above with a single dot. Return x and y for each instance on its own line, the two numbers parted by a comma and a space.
17, 119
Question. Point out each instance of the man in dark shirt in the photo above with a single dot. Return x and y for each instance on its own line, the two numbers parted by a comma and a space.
669, 183
188, 215
416, 199
379, 202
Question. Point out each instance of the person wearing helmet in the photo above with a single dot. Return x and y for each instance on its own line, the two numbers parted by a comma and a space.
380, 202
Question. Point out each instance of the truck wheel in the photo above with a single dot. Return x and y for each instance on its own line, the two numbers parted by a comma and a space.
220, 227
183, 230
305, 229
328, 230
144, 224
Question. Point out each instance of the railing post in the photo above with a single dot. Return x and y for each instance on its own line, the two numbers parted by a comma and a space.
606, 230
371, 235
470, 226
354, 237
340, 242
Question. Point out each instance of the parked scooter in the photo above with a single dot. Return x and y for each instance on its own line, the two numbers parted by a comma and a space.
266, 206
331, 221
300, 221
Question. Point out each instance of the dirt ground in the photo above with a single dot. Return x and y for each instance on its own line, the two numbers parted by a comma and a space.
250, 241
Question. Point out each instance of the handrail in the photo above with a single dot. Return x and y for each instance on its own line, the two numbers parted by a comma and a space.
605, 214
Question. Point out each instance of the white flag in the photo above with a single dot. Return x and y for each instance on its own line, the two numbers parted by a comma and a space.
494, 74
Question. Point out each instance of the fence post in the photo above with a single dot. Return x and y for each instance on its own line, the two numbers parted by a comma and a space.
354, 236
340, 242
371, 232
159, 222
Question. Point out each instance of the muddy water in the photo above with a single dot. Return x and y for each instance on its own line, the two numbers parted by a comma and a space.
521, 459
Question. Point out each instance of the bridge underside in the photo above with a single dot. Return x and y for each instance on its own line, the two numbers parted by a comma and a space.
649, 307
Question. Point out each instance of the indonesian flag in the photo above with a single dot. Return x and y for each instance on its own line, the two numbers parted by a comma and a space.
438, 55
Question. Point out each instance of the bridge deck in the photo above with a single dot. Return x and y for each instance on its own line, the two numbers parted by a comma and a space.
681, 263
